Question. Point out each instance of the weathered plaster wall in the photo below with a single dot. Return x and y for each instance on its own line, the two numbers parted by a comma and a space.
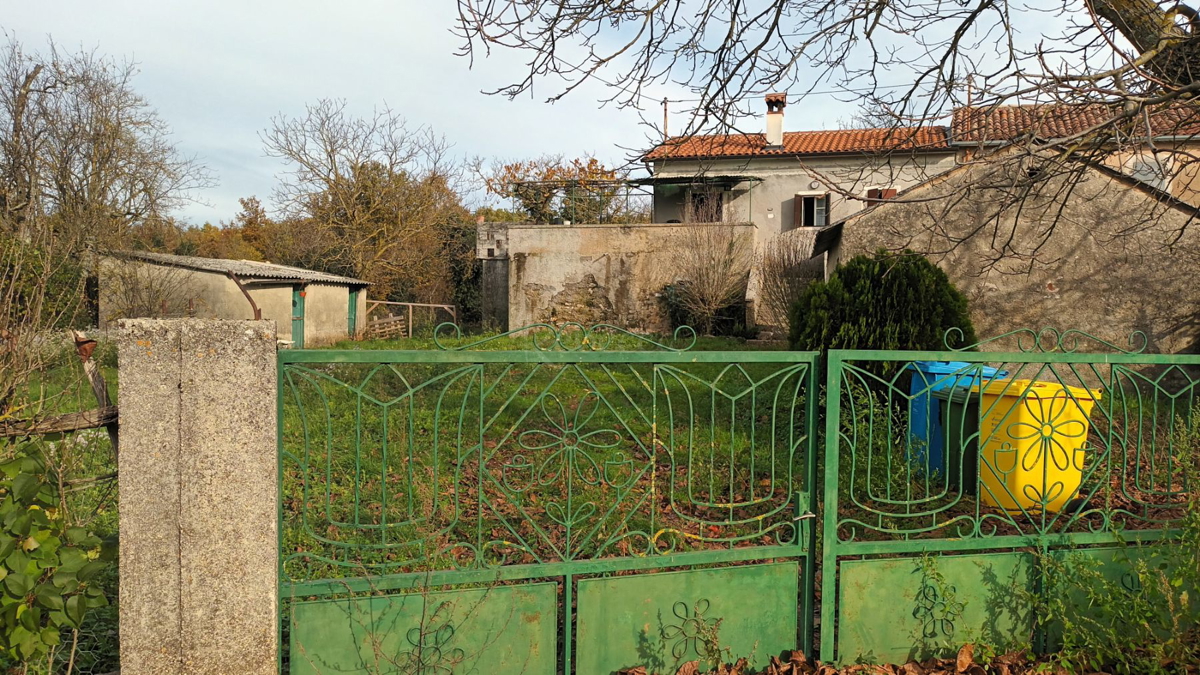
1108, 261
326, 314
769, 204
593, 273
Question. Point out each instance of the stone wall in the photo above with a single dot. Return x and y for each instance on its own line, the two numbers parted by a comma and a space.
592, 273
1106, 256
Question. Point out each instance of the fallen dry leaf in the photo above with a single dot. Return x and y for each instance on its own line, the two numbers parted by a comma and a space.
689, 668
966, 657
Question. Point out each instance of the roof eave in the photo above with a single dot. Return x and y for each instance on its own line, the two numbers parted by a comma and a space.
785, 155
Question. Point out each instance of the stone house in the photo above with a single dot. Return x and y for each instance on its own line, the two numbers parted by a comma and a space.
1084, 247
1158, 149
780, 181
787, 188
309, 308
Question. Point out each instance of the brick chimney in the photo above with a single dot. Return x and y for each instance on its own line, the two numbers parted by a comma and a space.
775, 105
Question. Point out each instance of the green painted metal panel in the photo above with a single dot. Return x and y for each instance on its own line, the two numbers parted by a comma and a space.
298, 317
1129, 574
501, 630
352, 313
881, 499
895, 609
664, 620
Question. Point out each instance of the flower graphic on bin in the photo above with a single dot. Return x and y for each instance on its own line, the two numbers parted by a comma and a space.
570, 440
1052, 422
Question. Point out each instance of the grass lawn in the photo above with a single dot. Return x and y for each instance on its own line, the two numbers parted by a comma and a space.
395, 467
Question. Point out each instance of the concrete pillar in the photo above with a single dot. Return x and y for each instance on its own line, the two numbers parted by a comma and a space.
198, 493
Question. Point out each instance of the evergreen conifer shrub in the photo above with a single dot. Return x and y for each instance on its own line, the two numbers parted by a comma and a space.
881, 301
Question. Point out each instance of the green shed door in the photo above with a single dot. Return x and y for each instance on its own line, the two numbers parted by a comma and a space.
298, 317
352, 313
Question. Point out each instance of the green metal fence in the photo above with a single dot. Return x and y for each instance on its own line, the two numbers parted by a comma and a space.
597, 500
944, 492
593, 502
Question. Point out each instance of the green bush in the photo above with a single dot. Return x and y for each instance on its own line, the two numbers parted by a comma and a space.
1135, 611
48, 569
884, 301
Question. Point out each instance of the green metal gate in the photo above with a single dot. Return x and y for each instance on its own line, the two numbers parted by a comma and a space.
948, 523
595, 502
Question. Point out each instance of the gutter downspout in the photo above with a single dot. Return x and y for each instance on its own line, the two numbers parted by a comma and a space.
242, 288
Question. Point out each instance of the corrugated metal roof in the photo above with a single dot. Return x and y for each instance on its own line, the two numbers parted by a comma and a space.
242, 268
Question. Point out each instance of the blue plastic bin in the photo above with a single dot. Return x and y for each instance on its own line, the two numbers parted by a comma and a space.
927, 437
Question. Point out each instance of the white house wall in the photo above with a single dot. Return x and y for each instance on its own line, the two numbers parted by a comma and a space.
768, 204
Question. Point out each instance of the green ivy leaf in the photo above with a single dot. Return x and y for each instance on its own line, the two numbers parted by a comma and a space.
50, 598
90, 570
25, 485
76, 609
17, 561
18, 585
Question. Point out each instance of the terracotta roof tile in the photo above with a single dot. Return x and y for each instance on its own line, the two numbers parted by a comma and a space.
1051, 121
843, 141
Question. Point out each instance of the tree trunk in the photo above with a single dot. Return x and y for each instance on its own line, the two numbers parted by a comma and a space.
1148, 26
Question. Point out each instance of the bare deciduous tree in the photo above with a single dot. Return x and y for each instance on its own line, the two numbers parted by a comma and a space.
785, 269
81, 151
378, 194
133, 290
1102, 81
712, 267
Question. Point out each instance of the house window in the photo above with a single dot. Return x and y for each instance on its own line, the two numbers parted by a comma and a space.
1150, 170
705, 206
810, 210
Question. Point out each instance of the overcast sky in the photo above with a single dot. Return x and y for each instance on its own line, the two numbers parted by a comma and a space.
218, 71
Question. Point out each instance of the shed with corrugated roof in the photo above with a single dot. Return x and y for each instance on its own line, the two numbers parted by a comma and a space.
307, 306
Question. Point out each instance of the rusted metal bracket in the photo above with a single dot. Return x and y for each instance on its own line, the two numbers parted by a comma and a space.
84, 346
242, 288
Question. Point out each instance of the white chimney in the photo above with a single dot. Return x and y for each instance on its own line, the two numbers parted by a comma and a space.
775, 106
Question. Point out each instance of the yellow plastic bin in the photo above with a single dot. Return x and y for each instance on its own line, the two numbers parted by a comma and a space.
1033, 436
